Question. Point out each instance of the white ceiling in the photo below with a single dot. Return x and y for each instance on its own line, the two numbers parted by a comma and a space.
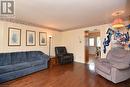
68, 14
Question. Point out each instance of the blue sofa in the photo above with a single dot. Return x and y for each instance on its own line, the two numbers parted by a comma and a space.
17, 64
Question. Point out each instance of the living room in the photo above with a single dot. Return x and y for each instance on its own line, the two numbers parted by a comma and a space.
44, 42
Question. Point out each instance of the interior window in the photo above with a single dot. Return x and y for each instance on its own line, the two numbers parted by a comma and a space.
91, 41
98, 42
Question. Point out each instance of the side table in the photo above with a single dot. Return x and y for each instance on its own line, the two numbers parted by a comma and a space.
53, 61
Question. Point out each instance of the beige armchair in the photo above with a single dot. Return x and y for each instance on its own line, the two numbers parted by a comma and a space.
116, 66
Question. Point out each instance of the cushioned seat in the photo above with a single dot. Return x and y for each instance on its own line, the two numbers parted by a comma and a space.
32, 56
5, 69
35, 63
5, 59
18, 57
116, 66
20, 66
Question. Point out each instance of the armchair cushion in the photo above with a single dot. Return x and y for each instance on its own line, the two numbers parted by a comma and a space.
118, 52
121, 65
60, 50
118, 55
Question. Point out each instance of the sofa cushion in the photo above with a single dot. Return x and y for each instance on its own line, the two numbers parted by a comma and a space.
104, 66
35, 63
18, 57
5, 69
5, 59
33, 55
20, 66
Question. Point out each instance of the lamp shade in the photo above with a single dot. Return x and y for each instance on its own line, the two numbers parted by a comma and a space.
118, 23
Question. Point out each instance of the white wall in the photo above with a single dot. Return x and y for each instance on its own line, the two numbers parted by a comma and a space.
56, 39
71, 39
1, 36
74, 40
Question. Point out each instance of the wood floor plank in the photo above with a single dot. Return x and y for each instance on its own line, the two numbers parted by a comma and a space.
69, 75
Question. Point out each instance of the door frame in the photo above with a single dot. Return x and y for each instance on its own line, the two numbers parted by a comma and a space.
86, 35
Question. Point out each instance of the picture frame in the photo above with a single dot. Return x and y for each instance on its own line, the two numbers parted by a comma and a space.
14, 36
42, 38
30, 38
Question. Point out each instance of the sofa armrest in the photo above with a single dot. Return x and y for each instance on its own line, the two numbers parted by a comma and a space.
44, 57
120, 65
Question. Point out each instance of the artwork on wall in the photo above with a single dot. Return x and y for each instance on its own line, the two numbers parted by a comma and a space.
121, 39
30, 38
42, 38
14, 37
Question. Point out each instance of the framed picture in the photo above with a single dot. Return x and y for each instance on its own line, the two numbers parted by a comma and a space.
30, 38
14, 37
42, 38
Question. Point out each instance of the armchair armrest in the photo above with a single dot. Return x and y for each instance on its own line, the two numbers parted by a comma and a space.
65, 56
70, 53
120, 65
61, 55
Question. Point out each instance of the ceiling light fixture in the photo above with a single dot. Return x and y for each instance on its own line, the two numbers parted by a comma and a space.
118, 13
118, 22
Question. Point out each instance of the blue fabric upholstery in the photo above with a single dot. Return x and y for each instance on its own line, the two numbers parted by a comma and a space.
5, 69
17, 64
5, 59
33, 56
18, 57
35, 63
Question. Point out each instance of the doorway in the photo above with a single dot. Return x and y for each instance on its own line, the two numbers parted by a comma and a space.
92, 46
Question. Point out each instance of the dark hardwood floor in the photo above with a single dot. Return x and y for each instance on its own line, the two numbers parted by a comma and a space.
69, 75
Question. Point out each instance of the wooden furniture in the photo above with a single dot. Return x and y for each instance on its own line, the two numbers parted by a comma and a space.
53, 61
